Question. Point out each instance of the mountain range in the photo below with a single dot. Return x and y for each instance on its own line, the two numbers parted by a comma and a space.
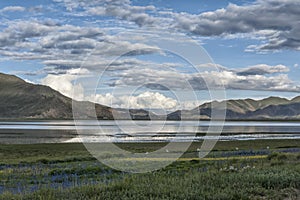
271, 108
22, 100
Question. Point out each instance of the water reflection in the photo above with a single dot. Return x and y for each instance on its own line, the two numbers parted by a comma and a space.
141, 131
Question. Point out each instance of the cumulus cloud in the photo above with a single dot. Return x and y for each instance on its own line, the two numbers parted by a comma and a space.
162, 80
263, 69
232, 80
150, 100
22, 31
74, 4
135, 14
153, 79
40, 36
43, 36
119, 9
100, 65
64, 83
276, 21
62, 46
258, 77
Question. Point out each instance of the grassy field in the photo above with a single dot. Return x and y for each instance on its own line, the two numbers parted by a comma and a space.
262, 169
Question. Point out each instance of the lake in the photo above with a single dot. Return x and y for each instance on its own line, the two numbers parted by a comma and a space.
142, 131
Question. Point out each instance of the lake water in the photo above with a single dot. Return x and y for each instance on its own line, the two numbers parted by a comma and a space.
142, 131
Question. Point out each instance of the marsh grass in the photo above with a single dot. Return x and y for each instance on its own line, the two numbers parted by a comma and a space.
68, 171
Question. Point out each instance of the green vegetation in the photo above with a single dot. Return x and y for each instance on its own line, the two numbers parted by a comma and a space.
234, 170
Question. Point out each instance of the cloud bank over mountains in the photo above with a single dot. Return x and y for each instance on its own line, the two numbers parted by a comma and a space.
259, 77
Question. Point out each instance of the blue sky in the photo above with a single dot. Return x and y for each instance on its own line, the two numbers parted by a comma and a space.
67, 45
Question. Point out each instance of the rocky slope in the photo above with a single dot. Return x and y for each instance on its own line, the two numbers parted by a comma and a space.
22, 100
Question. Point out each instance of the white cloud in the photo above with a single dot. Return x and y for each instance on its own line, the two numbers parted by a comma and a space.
12, 9
119, 9
258, 77
263, 69
151, 100
135, 14
61, 47
145, 100
64, 83
276, 22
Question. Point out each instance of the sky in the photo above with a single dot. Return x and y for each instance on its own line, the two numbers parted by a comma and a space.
157, 54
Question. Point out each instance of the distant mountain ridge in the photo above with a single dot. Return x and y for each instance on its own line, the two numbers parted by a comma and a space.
22, 100
271, 108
